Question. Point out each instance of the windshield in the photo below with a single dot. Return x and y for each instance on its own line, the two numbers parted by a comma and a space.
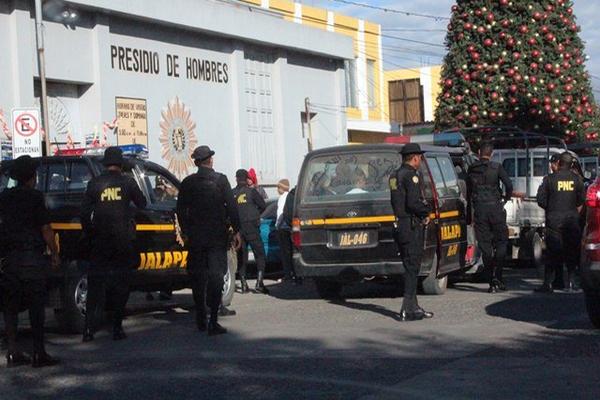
348, 177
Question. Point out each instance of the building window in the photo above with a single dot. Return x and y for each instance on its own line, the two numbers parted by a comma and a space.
371, 83
351, 83
406, 101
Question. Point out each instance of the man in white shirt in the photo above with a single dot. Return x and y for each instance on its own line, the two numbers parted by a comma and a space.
284, 231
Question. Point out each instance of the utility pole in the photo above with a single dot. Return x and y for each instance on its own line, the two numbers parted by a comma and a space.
308, 124
39, 34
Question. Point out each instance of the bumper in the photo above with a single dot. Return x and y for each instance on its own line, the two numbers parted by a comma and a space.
350, 271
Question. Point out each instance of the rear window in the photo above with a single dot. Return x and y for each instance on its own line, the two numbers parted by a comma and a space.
348, 177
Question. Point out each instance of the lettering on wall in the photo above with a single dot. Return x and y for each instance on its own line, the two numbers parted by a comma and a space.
149, 62
132, 121
177, 138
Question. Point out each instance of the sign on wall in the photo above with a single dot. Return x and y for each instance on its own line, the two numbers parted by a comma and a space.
27, 138
132, 121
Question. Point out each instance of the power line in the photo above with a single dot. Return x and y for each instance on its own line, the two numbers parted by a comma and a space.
392, 10
412, 30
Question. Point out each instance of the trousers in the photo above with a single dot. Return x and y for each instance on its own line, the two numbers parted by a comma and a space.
492, 237
563, 237
411, 253
207, 267
22, 294
255, 242
108, 279
285, 245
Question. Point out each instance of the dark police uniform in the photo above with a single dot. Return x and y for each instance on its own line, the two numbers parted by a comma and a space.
485, 196
251, 205
108, 219
410, 210
560, 194
23, 213
206, 210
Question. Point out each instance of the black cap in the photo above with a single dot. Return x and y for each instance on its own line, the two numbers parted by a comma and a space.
411, 148
113, 156
241, 174
202, 153
554, 158
23, 169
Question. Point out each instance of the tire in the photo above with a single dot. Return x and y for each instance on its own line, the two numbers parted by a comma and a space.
592, 303
71, 314
432, 285
328, 289
229, 279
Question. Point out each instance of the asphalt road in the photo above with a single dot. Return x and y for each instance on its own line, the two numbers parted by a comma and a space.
292, 345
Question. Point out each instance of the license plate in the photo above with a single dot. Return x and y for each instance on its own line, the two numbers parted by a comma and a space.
353, 239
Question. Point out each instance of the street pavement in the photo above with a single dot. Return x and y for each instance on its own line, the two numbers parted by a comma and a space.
293, 345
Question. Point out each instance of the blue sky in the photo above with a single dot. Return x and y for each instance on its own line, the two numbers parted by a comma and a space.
403, 54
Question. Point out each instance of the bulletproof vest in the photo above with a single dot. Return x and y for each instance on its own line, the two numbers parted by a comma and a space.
208, 202
484, 181
113, 216
562, 192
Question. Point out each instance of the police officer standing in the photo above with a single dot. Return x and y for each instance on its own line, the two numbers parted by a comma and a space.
562, 195
412, 215
206, 211
26, 233
108, 219
250, 205
485, 196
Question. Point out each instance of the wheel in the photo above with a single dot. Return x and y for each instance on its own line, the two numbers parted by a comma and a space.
229, 279
71, 314
592, 302
328, 289
432, 284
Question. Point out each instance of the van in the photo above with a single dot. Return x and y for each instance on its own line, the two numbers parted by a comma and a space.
343, 227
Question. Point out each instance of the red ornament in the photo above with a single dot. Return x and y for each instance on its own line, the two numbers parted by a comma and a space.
448, 82
502, 35
481, 29
533, 111
563, 109
454, 8
474, 75
548, 108
518, 78
510, 42
561, 48
566, 65
495, 96
564, 120
460, 36
547, 100
584, 99
512, 101
574, 27
537, 15
516, 55
490, 17
458, 98
535, 101
587, 124
549, 37
533, 79
478, 12
568, 87
569, 11
536, 53
467, 77
473, 118
579, 110
488, 42
511, 72
523, 29
513, 88
551, 86
493, 115
475, 55
549, 8
447, 95
533, 65
474, 108
548, 67
504, 3
579, 61
544, 29
557, 71
569, 79
468, 26
505, 23
532, 41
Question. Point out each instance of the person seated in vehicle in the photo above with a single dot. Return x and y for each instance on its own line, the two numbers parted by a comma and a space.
343, 175
321, 185
359, 182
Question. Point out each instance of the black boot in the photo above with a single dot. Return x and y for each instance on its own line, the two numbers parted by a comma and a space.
43, 359
119, 333
88, 333
201, 321
16, 359
215, 329
260, 285
245, 288
226, 312
545, 288
570, 285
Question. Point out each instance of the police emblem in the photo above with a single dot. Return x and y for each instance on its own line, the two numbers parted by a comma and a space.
177, 138
415, 179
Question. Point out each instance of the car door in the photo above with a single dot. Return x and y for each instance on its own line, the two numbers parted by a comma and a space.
430, 246
156, 233
450, 215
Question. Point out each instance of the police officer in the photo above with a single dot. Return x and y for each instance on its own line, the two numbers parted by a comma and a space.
412, 214
25, 234
108, 219
485, 196
250, 205
562, 195
206, 211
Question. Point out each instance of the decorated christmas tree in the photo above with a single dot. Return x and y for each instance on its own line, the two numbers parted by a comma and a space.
518, 62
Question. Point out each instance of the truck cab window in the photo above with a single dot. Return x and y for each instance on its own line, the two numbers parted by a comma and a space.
162, 190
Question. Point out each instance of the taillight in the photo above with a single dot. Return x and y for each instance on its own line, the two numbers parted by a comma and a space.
592, 199
296, 239
469, 254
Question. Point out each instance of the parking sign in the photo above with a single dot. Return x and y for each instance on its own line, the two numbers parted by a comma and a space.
27, 139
